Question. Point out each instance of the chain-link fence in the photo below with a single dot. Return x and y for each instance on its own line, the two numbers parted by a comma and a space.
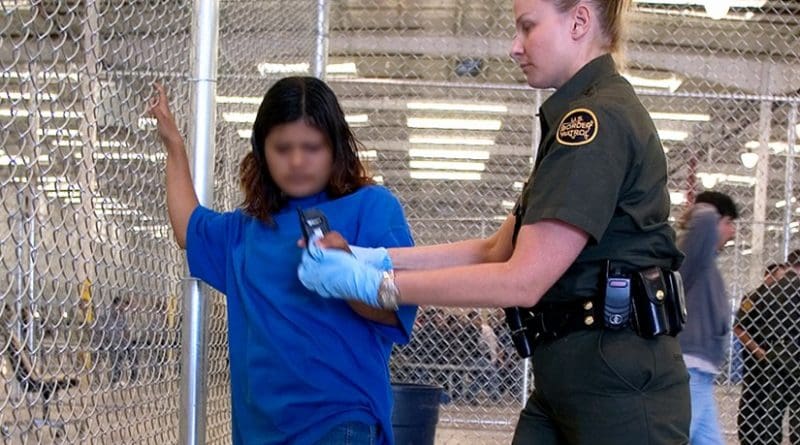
90, 312
90, 289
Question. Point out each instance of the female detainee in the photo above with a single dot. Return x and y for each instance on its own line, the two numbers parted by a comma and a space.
597, 201
304, 370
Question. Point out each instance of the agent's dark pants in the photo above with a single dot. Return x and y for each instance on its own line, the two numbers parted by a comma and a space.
766, 395
607, 387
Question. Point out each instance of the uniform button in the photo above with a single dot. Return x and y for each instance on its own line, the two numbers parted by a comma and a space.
588, 321
588, 306
659, 295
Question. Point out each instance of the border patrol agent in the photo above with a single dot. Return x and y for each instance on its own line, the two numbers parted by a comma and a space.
771, 386
589, 248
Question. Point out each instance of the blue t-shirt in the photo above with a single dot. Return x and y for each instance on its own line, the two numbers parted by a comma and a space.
300, 364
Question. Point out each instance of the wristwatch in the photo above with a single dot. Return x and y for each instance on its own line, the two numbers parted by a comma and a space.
387, 292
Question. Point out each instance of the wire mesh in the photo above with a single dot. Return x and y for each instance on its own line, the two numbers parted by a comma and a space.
89, 337
90, 288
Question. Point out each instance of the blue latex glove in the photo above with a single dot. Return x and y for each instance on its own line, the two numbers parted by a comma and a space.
377, 257
334, 273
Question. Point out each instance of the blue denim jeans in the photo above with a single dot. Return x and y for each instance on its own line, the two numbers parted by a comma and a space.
351, 433
705, 422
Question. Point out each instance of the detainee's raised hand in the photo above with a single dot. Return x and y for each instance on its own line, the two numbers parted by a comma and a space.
159, 109
181, 197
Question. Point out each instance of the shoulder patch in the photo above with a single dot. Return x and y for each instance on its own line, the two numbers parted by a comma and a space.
578, 127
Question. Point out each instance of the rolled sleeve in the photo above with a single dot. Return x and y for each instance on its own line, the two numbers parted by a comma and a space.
207, 243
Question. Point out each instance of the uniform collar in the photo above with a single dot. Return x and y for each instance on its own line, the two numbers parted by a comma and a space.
578, 85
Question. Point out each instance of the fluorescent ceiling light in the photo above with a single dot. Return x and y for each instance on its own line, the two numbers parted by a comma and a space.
245, 134
147, 123
64, 132
715, 9
518, 185
378, 179
508, 205
669, 82
16, 4
692, 117
455, 124
300, 68
130, 156
79, 143
710, 180
447, 140
341, 68
118, 212
56, 75
7, 160
71, 194
782, 203
249, 118
749, 159
672, 135
8, 112
454, 176
448, 154
677, 198
732, 3
232, 116
775, 146
282, 68
448, 106
158, 231
245, 100
356, 118
102, 202
368, 154
16, 95
447, 165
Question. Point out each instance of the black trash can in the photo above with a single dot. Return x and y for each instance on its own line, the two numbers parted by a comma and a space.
415, 413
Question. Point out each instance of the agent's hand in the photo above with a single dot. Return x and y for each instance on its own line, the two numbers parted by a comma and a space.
334, 273
159, 109
377, 257
331, 240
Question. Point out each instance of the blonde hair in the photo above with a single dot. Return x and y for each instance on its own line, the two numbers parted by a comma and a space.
612, 21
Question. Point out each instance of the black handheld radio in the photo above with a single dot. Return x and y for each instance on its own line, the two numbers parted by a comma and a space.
312, 223
617, 309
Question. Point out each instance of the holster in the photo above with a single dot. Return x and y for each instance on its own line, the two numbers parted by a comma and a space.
657, 303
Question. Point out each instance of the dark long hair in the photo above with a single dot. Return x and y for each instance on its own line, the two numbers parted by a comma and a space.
293, 99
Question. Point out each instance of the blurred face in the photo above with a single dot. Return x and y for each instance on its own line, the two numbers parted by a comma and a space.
299, 159
540, 45
726, 229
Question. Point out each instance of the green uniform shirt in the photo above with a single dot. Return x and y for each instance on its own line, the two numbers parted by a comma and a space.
601, 168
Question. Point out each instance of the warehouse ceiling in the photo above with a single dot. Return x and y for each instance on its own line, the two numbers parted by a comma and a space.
715, 88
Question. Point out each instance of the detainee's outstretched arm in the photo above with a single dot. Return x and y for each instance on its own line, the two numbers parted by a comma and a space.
181, 197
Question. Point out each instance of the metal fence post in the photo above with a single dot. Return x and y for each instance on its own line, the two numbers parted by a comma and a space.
205, 29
